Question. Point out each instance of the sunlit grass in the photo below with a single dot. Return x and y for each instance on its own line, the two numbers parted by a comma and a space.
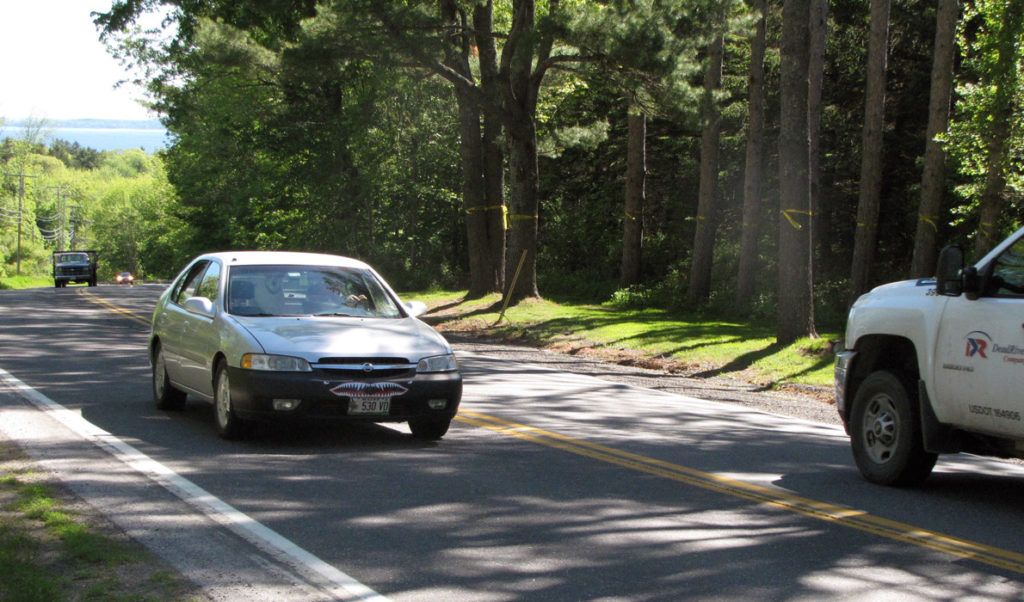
20, 282
48, 552
686, 344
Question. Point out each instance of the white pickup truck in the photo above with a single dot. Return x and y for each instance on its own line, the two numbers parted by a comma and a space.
936, 366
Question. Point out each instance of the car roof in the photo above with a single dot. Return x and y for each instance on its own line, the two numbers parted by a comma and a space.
230, 258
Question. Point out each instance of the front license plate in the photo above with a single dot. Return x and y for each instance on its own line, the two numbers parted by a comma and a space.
368, 405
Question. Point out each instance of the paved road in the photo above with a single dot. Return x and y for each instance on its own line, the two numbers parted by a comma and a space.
549, 486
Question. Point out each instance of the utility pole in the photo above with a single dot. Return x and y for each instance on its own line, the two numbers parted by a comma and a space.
21, 214
61, 226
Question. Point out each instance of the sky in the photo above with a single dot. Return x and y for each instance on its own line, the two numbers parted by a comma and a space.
53, 66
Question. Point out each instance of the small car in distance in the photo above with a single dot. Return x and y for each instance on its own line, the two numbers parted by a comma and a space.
275, 336
124, 278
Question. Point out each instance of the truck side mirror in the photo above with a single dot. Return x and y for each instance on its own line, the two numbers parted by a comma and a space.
949, 280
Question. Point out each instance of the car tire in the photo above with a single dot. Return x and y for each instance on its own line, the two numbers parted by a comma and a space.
885, 432
429, 429
229, 425
166, 396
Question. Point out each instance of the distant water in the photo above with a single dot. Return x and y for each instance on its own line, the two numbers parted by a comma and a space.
103, 139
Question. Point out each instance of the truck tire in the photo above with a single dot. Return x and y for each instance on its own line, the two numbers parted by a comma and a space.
885, 432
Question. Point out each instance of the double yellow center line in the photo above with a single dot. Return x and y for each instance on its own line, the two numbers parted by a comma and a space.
127, 313
833, 513
848, 517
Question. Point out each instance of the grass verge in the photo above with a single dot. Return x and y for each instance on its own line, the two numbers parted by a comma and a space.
53, 548
689, 345
20, 282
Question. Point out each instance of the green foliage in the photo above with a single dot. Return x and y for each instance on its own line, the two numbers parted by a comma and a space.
318, 127
118, 203
990, 93
297, 147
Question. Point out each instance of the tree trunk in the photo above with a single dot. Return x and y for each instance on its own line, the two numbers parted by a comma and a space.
523, 209
520, 86
479, 211
493, 155
795, 318
746, 280
932, 179
636, 173
815, 79
471, 152
866, 235
704, 238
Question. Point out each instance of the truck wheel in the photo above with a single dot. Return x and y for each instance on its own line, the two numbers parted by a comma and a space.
885, 433
166, 396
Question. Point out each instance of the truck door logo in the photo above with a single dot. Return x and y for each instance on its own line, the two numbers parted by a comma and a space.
976, 345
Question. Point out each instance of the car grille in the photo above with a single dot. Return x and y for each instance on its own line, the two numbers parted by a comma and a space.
366, 367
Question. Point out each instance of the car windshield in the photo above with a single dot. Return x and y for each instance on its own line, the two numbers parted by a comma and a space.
73, 258
289, 290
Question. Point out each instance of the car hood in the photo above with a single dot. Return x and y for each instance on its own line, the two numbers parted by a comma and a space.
315, 338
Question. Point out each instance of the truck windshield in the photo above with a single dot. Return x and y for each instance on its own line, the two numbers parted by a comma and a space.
73, 258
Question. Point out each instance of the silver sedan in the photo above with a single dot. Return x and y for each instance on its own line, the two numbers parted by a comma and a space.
273, 336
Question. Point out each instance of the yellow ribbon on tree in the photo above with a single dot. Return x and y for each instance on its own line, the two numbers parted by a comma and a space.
930, 220
513, 216
504, 213
787, 213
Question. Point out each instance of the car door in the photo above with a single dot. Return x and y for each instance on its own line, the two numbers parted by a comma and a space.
172, 317
200, 338
979, 367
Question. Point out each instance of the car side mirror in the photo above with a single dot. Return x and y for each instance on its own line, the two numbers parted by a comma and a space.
199, 305
949, 279
416, 308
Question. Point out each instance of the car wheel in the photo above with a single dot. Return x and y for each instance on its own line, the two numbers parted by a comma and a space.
429, 429
166, 396
229, 425
886, 434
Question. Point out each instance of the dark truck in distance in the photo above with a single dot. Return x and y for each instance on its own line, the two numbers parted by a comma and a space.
74, 267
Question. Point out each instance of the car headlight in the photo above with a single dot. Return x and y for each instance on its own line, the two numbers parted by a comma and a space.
438, 363
274, 363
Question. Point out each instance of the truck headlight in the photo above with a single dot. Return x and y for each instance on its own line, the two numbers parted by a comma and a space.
438, 363
274, 363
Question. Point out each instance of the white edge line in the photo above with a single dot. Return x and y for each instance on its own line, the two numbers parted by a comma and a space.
254, 532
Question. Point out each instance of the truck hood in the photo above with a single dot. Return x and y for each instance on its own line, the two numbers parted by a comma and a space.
898, 309
315, 338
904, 288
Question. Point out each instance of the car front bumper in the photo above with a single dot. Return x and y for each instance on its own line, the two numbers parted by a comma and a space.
253, 395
